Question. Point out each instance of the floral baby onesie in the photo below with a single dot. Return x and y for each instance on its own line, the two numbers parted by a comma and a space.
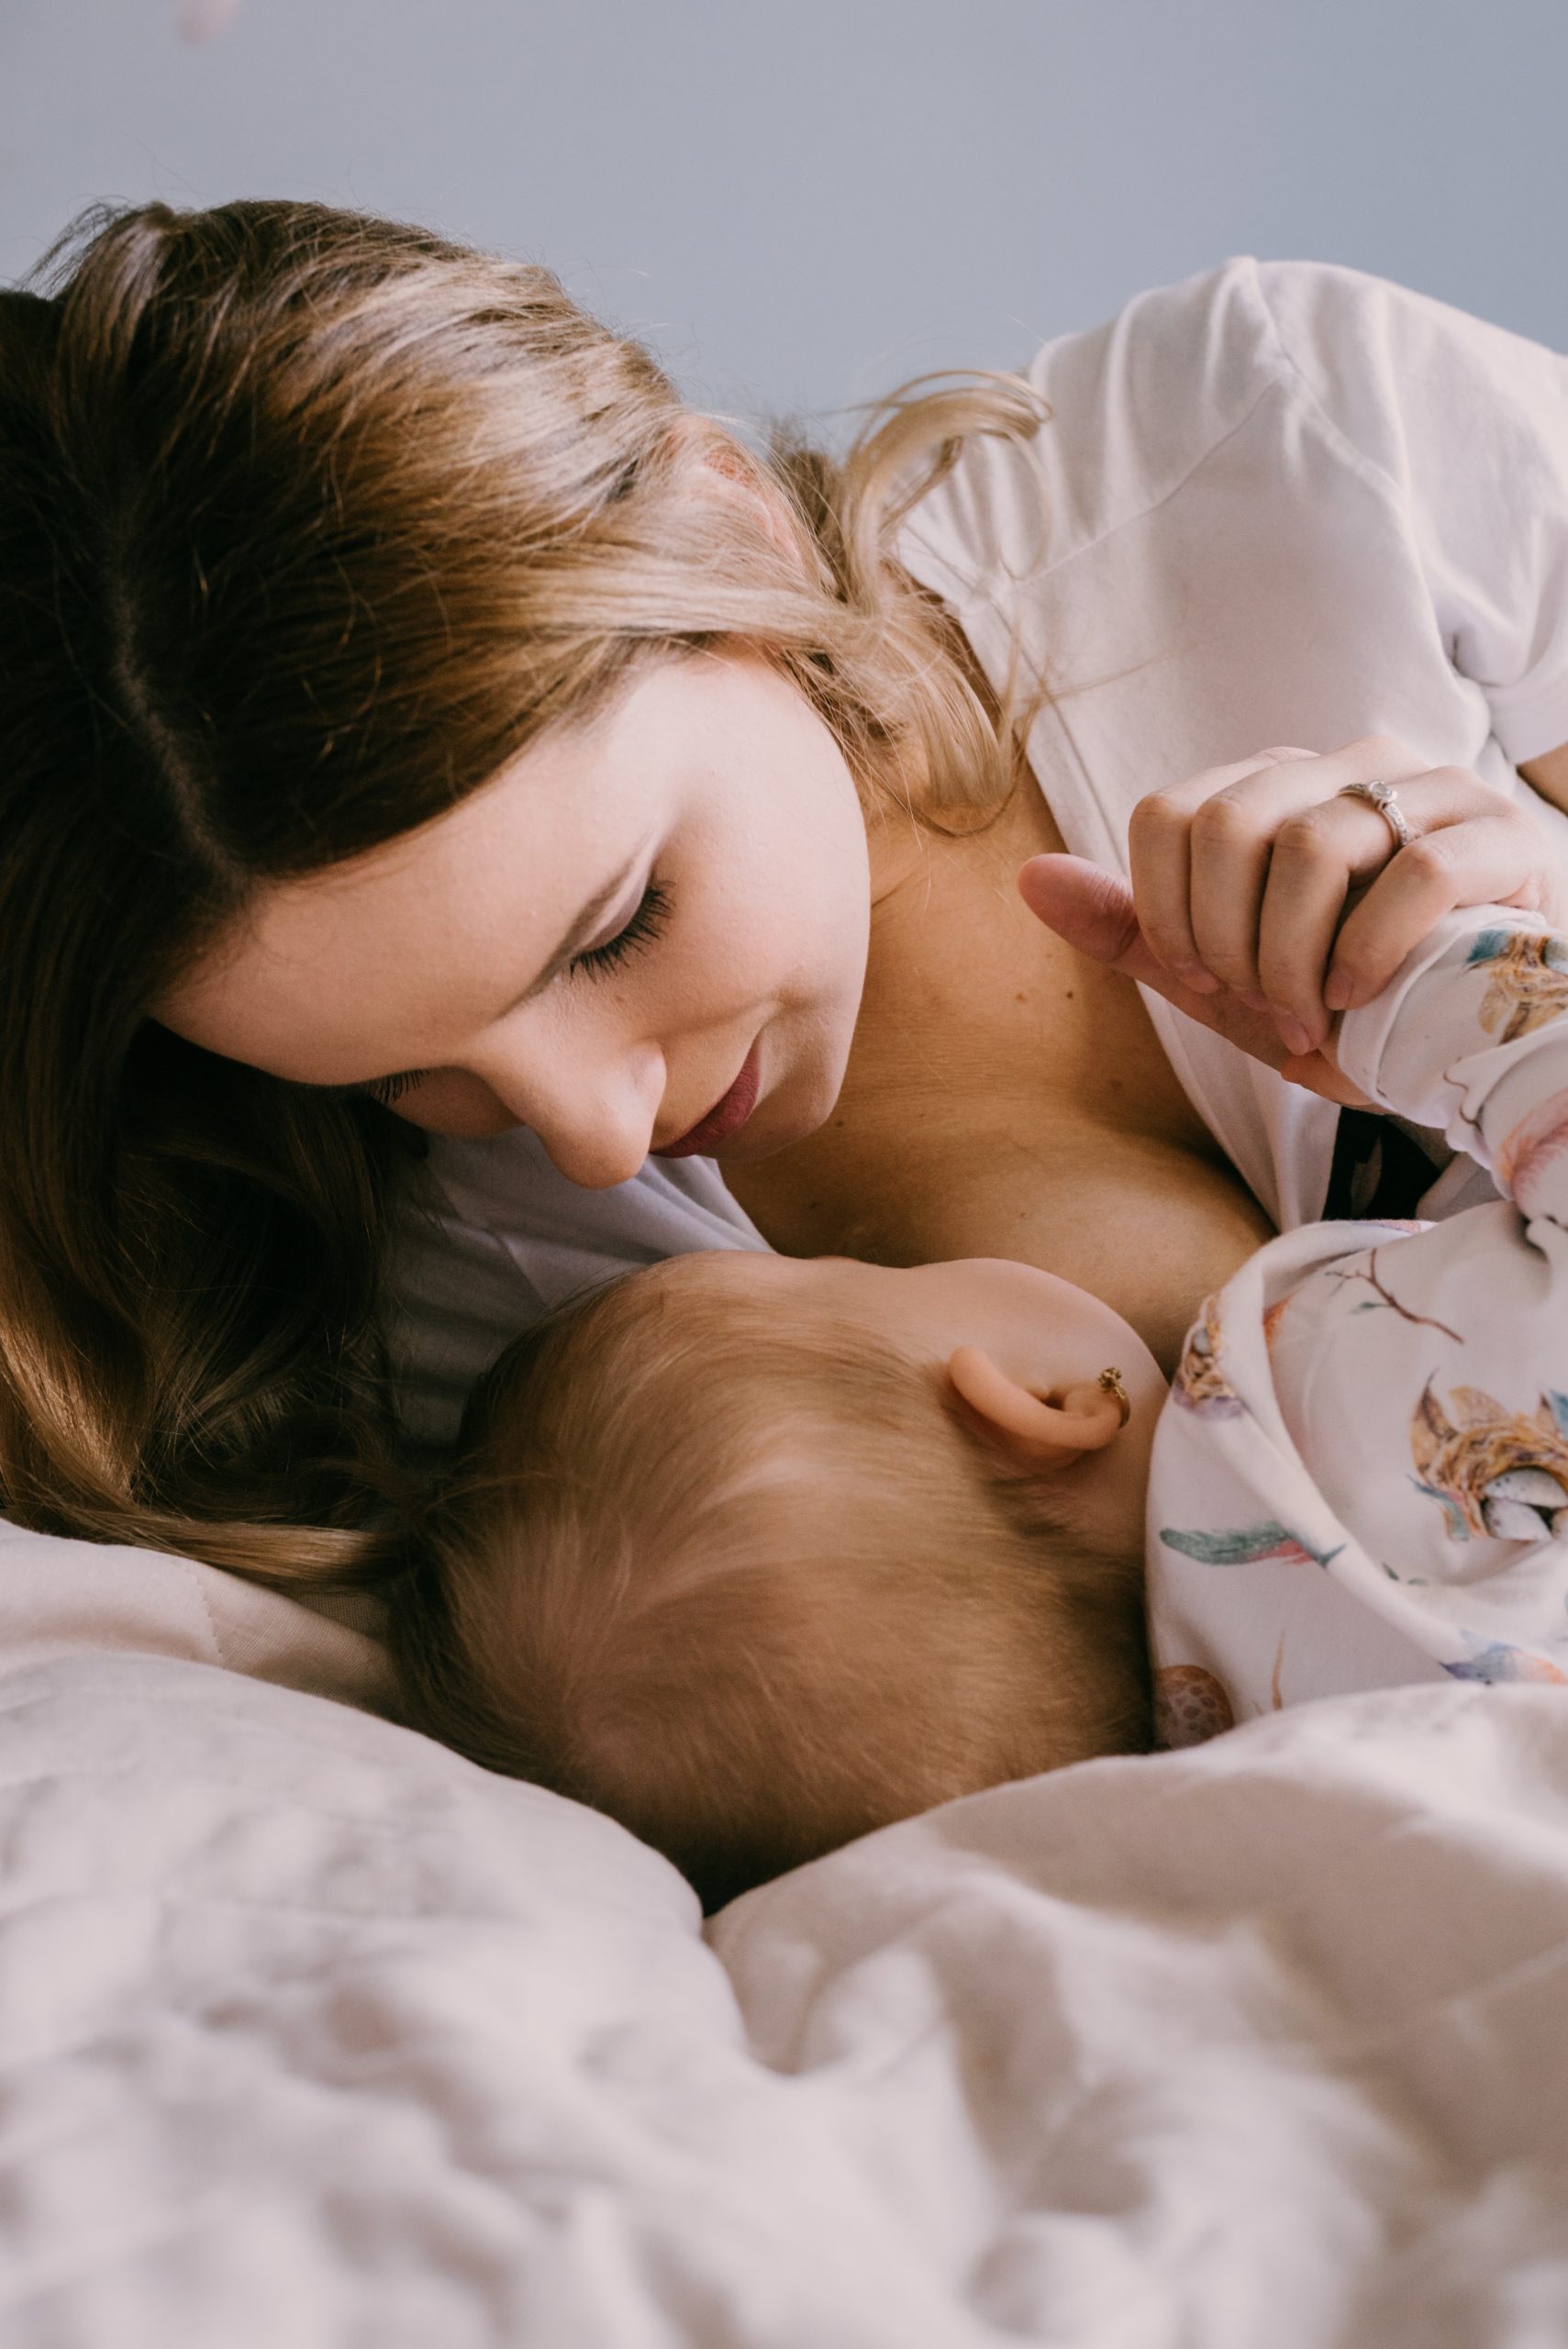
1361, 1476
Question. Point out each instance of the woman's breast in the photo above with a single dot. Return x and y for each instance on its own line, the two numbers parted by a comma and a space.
1005, 1097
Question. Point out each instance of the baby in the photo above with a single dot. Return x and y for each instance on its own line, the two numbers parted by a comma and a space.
757, 1554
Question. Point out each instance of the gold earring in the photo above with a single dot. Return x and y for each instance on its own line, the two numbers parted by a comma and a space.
1110, 1381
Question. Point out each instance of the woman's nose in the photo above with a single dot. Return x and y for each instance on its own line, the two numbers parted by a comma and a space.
595, 1118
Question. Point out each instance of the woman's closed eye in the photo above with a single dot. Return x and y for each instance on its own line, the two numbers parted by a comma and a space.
647, 923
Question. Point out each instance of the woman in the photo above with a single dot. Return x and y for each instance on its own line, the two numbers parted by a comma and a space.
409, 707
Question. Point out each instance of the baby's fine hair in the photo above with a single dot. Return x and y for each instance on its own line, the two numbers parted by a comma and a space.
744, 1581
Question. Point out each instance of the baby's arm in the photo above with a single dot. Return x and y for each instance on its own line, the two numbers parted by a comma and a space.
1362, 1477
1471, 1037
1423, 1379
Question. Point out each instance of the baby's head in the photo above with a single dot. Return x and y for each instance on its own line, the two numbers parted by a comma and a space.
758, 1554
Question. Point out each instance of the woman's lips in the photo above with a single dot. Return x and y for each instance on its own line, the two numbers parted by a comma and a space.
725, 1117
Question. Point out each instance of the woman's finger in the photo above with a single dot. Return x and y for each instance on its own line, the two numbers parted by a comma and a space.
1199, 851
1497, 859
1320, 854
1316, 1072
1092, 909
1159, 837
1235, 835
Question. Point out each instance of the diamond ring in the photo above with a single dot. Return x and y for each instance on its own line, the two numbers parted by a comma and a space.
1385, 799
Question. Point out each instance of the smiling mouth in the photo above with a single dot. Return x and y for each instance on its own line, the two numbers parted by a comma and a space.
725, 1118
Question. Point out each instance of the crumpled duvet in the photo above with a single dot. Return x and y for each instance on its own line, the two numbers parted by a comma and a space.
312, 2035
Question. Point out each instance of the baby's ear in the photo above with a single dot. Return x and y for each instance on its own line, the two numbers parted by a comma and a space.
1035, 1434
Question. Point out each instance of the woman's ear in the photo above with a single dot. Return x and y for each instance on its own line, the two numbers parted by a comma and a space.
1038, 1436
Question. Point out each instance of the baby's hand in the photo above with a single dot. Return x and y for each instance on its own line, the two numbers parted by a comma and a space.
1243, 875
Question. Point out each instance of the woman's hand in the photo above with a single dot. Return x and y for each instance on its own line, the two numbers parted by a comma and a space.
1093, 909
1236, 911
1241, 875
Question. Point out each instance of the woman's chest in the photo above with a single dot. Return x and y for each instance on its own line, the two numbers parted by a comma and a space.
1005, 1098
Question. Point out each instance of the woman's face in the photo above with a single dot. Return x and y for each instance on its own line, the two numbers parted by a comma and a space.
635, 924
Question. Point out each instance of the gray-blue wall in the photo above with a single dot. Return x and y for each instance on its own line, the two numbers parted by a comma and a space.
800, 204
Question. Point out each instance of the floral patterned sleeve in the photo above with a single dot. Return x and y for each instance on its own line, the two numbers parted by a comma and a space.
1471, 1035
1362, 1473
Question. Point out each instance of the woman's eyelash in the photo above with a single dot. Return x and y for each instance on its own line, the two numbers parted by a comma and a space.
389, 1090
645, 924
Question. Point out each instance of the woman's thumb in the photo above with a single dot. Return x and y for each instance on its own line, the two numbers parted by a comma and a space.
1092, 911
1088, 907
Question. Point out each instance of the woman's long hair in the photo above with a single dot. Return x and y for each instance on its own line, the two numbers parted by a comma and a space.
310, 521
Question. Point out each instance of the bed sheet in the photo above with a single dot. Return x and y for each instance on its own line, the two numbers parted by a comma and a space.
312, 2032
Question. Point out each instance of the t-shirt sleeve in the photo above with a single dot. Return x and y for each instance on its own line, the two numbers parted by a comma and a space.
1467, 424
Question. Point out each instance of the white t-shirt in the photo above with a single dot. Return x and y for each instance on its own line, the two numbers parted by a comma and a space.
1282, 502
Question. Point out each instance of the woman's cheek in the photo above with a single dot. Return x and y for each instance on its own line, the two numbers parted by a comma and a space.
720, 960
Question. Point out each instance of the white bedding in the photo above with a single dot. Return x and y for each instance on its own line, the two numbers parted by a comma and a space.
312, 2036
